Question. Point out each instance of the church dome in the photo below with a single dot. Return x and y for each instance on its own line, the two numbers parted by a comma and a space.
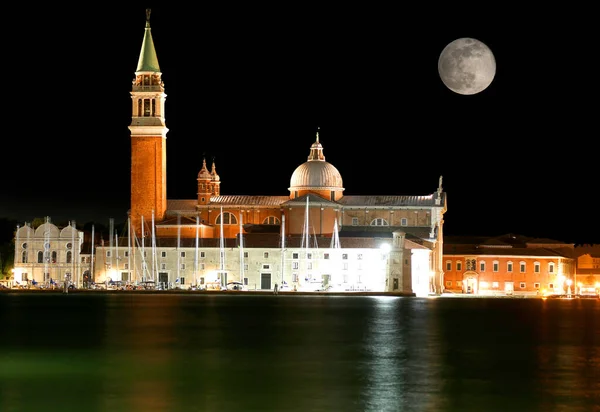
316, 173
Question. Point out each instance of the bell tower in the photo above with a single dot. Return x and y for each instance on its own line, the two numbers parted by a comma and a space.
148, 138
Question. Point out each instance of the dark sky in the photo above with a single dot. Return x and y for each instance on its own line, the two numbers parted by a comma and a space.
249, 86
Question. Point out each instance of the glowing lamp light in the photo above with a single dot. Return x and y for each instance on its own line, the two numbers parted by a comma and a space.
385, 247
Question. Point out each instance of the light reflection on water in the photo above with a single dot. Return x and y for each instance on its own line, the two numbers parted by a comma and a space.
126, 352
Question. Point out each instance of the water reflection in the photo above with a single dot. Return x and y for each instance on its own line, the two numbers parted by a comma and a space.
297, 353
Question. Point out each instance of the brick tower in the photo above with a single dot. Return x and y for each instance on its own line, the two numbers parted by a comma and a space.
148, 138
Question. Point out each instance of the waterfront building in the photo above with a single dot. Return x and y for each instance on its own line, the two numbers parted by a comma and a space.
587, 279
508, 265
314, 237
47, 256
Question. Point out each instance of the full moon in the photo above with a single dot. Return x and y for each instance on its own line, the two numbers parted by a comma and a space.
467, 66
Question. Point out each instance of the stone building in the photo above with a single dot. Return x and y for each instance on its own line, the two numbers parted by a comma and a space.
47, 256
587, 279
313, 237
508, 265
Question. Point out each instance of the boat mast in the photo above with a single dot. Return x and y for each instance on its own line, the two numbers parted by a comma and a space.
129, 251
143, 251
241, 251
92, 274
154, 261
196, 254
306, 234
282, 246
306, 240
111, 223
72, 252
222, 251
117, 252
178, 249
46, 249
335, 248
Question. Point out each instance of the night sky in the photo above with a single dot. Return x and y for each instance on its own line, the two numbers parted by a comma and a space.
249, 86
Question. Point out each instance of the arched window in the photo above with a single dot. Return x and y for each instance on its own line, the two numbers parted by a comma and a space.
271, 220
379, 222
24, 257
69, 254
228, 219
40, 257
54, 256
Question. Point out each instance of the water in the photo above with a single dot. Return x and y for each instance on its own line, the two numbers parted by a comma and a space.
128, 352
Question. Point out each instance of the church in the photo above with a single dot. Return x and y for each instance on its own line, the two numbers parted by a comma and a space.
315, 237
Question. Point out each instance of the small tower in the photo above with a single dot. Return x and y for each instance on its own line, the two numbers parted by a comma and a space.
148, 137
215, 180
204, 185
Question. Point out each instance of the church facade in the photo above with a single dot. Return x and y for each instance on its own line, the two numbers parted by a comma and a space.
314, 238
